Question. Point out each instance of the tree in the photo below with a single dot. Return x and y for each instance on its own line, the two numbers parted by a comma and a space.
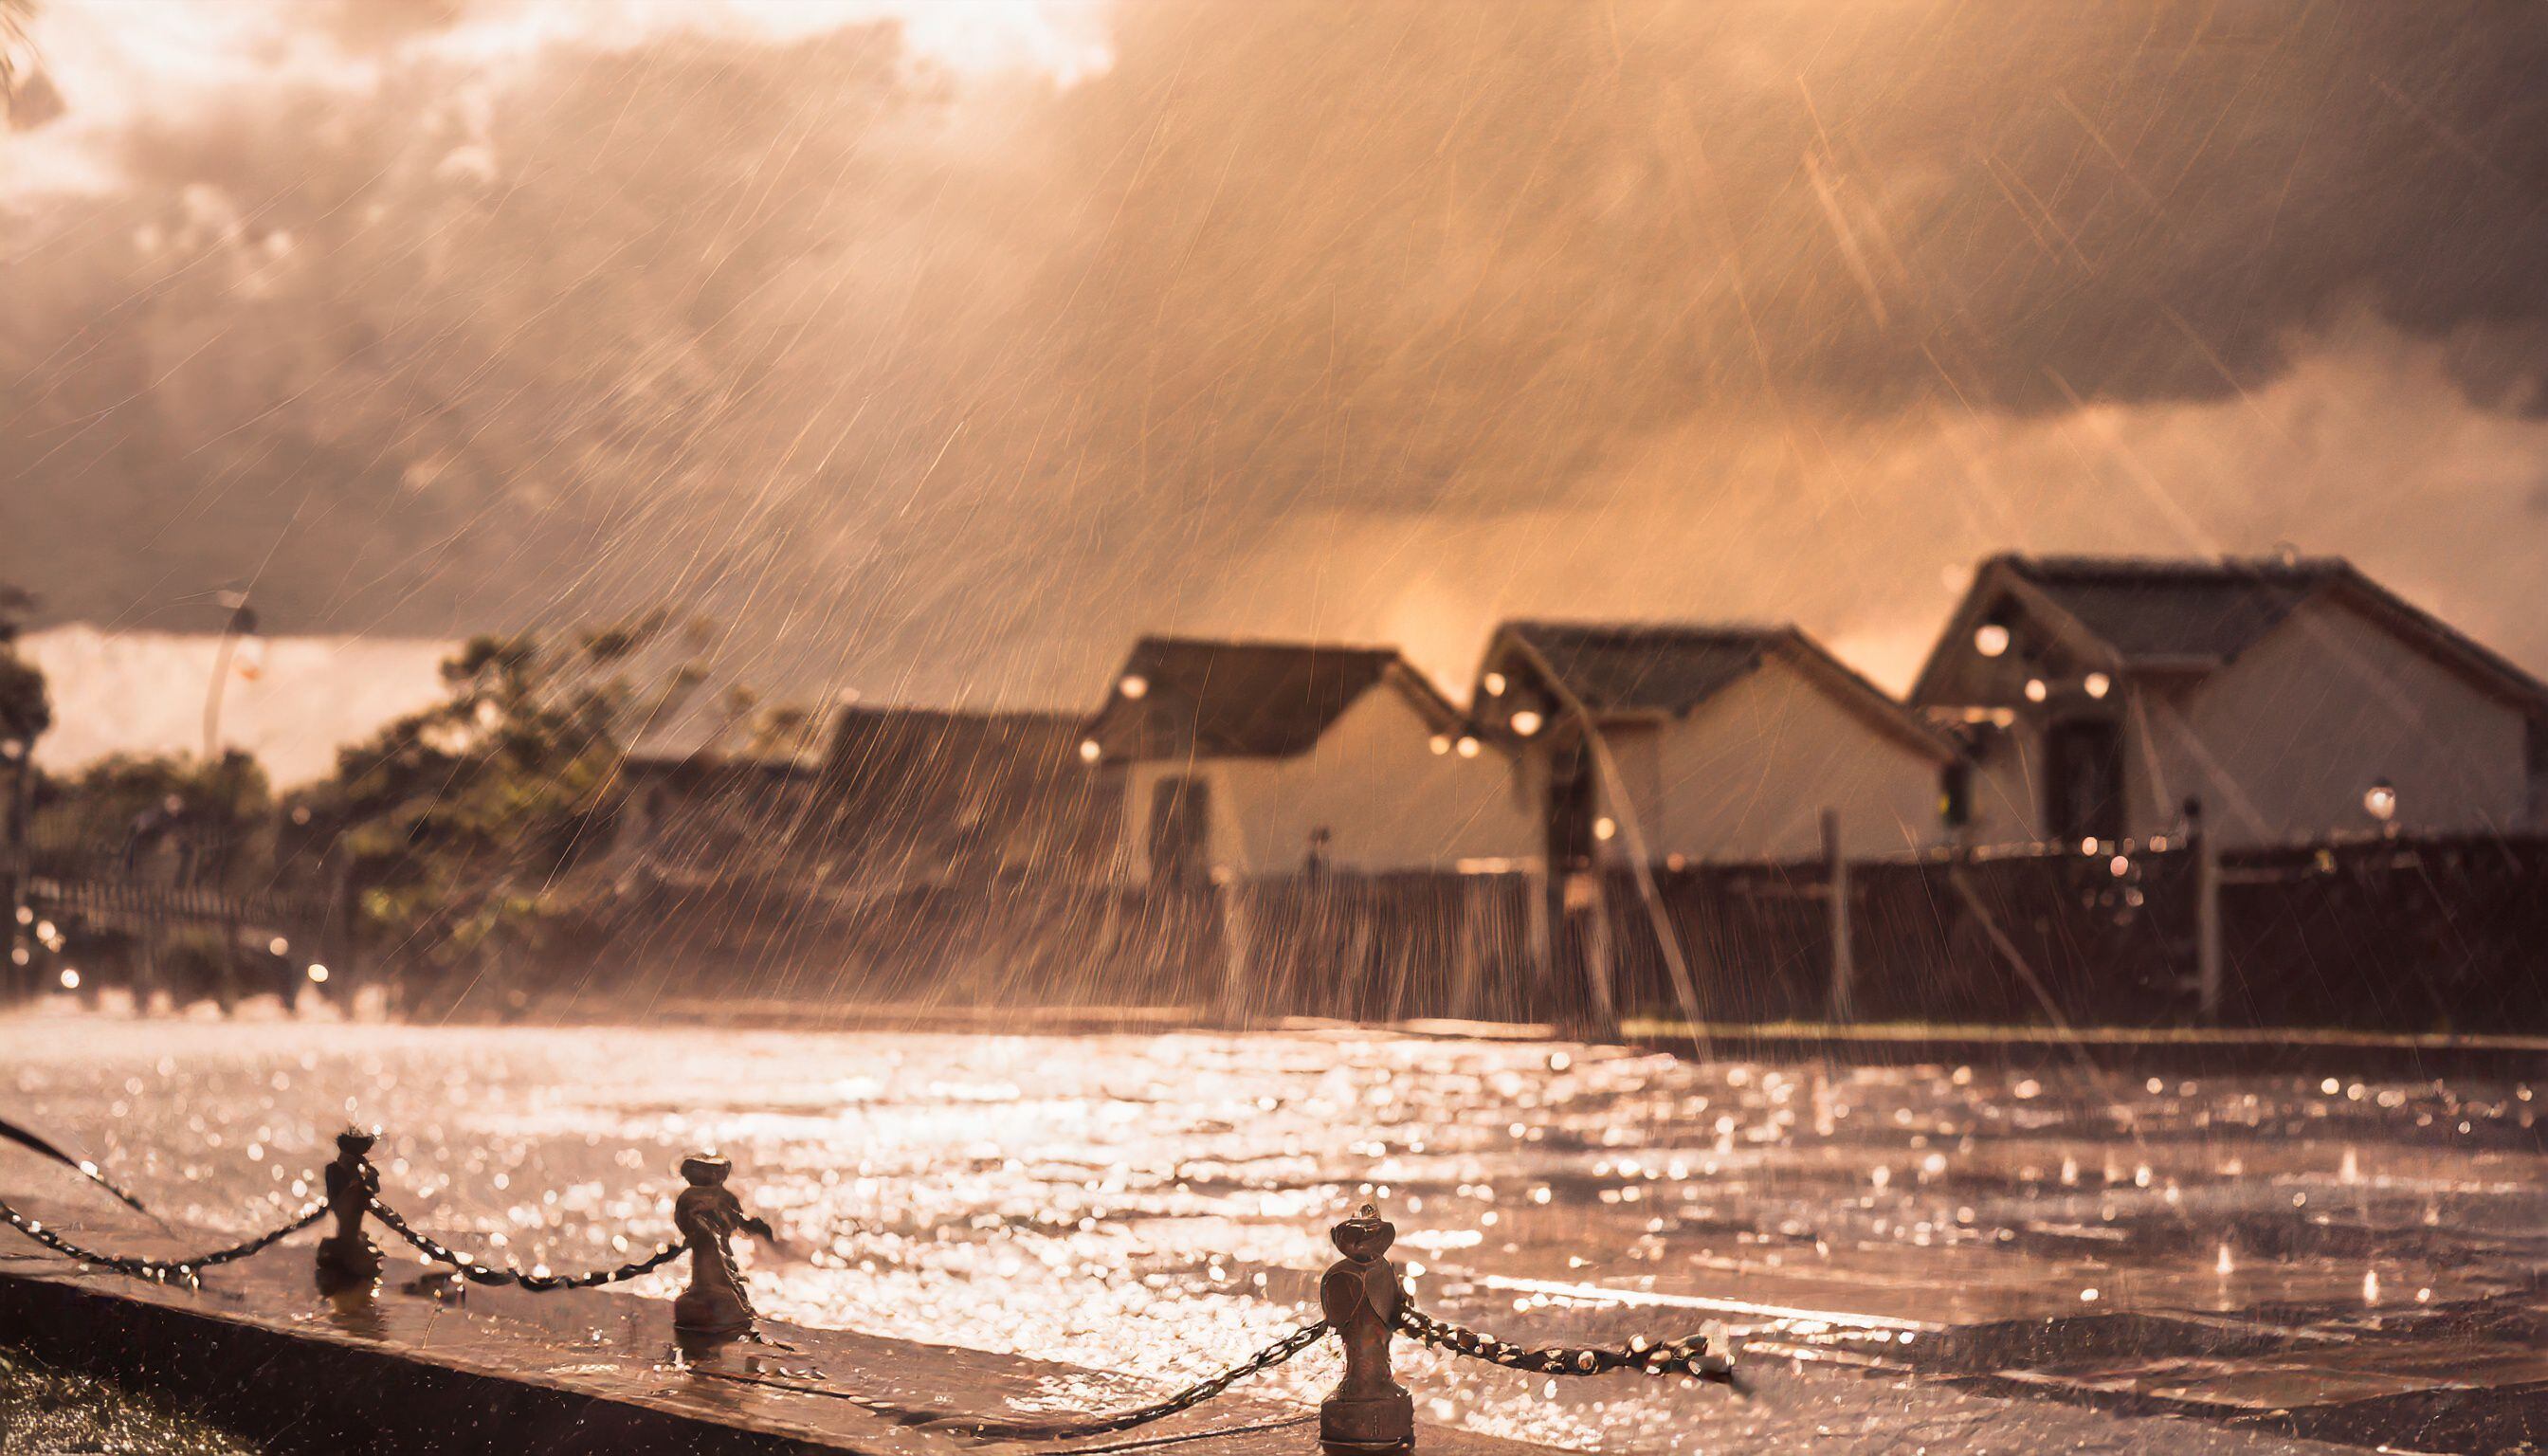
25, 709
460, 824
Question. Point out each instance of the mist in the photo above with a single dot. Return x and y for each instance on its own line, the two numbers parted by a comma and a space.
937, 358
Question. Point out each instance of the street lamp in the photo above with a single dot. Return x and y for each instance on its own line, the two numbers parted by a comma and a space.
2380, 800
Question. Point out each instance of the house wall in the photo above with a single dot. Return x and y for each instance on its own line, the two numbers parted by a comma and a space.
2008, 789
2283, 742
1372, 780
1749, 773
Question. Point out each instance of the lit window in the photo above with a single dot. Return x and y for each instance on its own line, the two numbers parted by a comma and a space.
1468, 747
2036, 692
1090, 751
1991, 639
1495, 685
2098, 685
1525, 722
1133, 685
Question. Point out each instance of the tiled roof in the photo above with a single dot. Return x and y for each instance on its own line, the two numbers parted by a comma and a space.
1209, 698
1638, 667
2149, 610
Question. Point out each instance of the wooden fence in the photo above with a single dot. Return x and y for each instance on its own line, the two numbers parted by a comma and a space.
2391, 934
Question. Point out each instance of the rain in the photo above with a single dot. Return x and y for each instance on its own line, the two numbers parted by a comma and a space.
1840, 697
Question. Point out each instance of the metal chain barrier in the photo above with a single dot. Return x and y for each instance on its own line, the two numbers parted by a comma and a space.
479, 1271
1361, 1298
1185, 1400
140, 1268
1686, 1356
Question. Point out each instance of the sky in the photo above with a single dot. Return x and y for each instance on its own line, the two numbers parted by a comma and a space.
931, 351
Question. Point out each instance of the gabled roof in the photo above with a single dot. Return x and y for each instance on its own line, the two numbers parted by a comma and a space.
1627, 670
2192, 615
1201, 697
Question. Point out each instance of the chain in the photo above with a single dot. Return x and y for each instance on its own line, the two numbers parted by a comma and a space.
1185, 1400
1686, 1356
140, 1268
479, 1271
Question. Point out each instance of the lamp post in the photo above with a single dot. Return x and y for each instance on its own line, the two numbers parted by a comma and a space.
15, 750
242, 623
2380, 800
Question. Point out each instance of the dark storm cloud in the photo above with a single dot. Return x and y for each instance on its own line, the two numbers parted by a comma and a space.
944, 386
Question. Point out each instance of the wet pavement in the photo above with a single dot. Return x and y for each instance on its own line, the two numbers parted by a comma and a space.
2355, 1258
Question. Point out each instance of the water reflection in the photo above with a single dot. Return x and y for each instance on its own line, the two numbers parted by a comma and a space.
1160, 1203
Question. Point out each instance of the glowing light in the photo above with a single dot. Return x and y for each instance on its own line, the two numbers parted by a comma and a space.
24, 915
1090, 751
2002, 717
2036, 692
279, 946
1991, 639
2380, 799
1467, 746
70, 979
1526, 722
1440, 742
44, 929
2122, 866
1604, 828
2098, 685
1133, 685
318, 975
1495, 685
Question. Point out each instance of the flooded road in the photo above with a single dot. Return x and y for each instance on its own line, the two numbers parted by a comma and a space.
1157, 1204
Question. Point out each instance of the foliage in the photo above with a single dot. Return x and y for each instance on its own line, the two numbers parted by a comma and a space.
461, 822
25, 710
210, 818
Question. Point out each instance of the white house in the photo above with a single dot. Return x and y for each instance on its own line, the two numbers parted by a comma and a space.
2294, 699
1702, 744
1256, 758
288, 702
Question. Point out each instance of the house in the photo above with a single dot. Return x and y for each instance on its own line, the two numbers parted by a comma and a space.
1705, 743
933, 796
1257, 759
2295, 698
289, 702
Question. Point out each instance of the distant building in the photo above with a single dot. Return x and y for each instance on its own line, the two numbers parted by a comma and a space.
2295, 698
924, 795
288, 702
1705, 743
1259, 759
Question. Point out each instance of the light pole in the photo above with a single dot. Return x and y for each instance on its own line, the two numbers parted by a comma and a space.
242, 623
15, 750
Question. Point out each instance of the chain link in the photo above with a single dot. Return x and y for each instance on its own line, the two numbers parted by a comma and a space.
180, 1269
1185, 1400
479, 1271
1686, 1356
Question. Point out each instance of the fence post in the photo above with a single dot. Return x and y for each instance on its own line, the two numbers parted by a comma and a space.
2207, 914
1600, 955
1836, 894
1235, 949
1362, 1296
1464, 995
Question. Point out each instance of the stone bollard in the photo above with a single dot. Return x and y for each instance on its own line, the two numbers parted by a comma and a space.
1370, 1413
708, 1216
349, 1263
